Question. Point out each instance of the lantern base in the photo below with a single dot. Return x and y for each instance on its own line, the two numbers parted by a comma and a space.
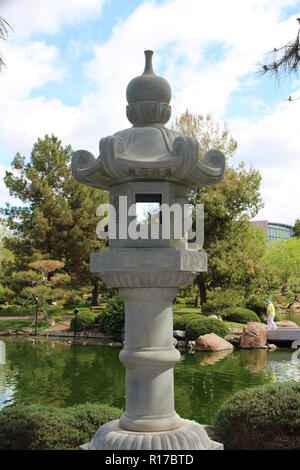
188, 436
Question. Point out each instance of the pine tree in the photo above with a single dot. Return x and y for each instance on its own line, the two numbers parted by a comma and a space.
57, 220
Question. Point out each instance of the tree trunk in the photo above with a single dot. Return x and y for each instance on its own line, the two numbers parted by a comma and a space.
202, 291
95, 293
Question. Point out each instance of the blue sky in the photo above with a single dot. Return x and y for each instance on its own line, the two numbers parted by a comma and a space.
69, 62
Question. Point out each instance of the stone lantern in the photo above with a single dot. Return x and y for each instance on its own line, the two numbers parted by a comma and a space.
148, 164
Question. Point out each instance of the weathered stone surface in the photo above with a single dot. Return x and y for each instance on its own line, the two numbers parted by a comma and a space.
181, 344
217, 317
20, 333
191, 344
236, 331
179, 334
254, 336
286, 324
272, 347
27, 331
175, 342
211, 342
12, 332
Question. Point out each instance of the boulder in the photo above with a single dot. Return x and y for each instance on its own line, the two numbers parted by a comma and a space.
217, 317
12, 332
211, 342
27, 331
175, 342
272, 347
179, 334
191, 344
286, 324
254, 336
181, 344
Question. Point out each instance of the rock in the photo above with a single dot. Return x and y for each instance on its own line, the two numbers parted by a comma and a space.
272, 347
12, 332
254, 336
175, 342
20, 333
52, 322
211, 342
191, 344
286, 324
235, 340
217, 317
181, 344
27, 331
179, 334
236, 331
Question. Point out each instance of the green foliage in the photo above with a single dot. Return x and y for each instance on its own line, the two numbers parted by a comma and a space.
6, 294
111, 321
240, 315
296, 228
57, 220
262, 418
85, 321
220, 299
180, 321
199, 327
37, 427
235, 248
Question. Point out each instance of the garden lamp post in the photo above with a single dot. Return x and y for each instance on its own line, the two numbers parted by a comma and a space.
76, 310
148, 168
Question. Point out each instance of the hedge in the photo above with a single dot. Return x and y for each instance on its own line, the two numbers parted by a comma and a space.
199, 327
265, 417
240, 315
37, 427
85, 321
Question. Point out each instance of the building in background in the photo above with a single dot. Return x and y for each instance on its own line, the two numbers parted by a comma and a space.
273, 230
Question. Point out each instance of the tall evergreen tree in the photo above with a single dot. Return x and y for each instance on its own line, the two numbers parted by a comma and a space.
58, 217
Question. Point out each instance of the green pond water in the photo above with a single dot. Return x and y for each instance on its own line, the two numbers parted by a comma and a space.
52, 372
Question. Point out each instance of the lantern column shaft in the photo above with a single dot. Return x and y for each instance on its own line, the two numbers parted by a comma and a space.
149, 357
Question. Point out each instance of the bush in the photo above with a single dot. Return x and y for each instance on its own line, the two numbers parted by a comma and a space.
180, 321
38, 427
240, 315
199, 327
266, 417
85, 321
111, 321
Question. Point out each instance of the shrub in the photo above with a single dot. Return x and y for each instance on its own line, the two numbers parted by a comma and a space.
266, 417
180, 321
111, 321
240, 315
85, 321
38, 427
199, 327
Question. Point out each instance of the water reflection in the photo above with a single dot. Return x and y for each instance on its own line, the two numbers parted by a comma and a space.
210, 358
2, 352
7, 380
286, 368
53, 372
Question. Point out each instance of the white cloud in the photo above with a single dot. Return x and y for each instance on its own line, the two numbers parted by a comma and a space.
181, 34
41, 16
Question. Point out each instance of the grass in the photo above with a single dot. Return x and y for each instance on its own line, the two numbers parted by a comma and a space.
15, 324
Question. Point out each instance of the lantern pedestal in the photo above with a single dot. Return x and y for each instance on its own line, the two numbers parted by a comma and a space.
188, 436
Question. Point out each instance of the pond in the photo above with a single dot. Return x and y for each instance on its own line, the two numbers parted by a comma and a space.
52, 372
